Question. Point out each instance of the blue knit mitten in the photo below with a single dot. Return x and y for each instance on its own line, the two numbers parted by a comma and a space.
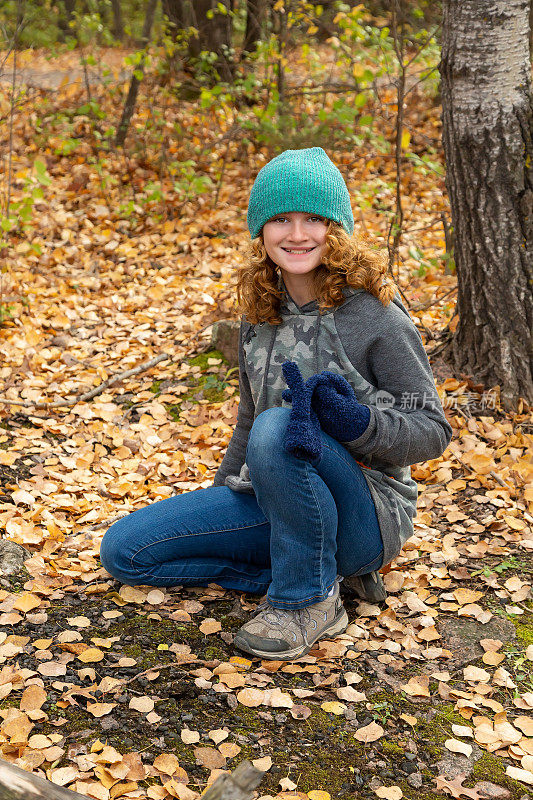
302, 437
339, 412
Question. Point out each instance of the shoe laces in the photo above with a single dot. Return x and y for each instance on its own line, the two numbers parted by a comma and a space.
278, 617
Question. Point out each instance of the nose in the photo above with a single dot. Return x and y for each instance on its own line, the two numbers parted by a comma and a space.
297, 232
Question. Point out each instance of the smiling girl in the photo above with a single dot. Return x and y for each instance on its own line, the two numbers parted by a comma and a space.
337, 400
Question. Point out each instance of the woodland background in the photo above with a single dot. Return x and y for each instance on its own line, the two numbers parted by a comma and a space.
131, 134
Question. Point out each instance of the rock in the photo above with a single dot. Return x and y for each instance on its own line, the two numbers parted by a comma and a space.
225, 337
415, 780
453, 764
462, 636
12, 557
488, 790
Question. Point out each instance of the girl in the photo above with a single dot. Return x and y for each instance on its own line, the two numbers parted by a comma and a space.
337, 400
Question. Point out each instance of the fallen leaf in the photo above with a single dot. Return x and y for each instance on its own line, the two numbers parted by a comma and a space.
523, 775
229, 749
263, 764
417, 686
32, 698
369, 733
455, 746
218, 735
250, 697
300, 712
143, 704
525, 724
464, 596
462, 730
100, 709
91, 655
455, 787
189, 737
287, 785
333, 707
210, 625
167, 763
350, 694
209, 757
26, 602
389, 792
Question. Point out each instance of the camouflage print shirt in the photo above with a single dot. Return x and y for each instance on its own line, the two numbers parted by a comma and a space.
380, 352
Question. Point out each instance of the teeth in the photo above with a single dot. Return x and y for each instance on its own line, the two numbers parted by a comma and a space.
299, 252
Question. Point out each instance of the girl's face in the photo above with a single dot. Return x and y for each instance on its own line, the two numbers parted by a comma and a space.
295, 241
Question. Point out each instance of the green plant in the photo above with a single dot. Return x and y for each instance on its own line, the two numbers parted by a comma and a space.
17, 217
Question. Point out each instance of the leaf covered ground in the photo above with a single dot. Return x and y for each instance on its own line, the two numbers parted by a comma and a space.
138, 692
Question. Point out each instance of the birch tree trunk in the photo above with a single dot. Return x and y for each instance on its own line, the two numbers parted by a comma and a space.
487, 120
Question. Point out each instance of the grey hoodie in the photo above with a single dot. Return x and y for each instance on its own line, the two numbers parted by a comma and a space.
380, 352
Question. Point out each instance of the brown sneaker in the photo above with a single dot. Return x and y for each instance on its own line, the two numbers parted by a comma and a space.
278, 633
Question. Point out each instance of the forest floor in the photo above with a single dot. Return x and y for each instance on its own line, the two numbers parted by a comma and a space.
119, 692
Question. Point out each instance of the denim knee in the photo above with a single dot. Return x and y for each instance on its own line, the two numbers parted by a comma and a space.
265, 439
113, 551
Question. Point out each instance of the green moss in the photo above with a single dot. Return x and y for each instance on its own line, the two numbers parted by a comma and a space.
201, 359
524, 631
392, 747
490, 768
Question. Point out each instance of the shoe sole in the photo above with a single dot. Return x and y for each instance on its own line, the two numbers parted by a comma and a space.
337, 627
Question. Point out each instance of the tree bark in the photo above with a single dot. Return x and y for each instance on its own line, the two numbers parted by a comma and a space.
65, 16
131, 99
214, 34
487, 115
255, 16
118, 25
17, 784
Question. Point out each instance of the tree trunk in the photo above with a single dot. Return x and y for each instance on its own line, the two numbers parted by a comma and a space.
118, 25
488, 145
255, 16
65, 16
131, 99
214, 34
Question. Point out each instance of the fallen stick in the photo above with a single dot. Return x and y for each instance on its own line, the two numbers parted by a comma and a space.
17, 784
93, 392
238, 785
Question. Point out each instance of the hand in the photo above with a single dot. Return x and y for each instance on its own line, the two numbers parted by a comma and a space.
340, 414
302, 437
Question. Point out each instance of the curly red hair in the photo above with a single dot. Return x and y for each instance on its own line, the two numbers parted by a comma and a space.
347, 261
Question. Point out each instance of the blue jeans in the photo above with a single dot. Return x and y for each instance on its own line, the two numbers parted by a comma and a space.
306, 524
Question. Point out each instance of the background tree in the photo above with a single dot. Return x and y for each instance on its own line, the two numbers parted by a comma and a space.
488, 144
214, 28
255, 17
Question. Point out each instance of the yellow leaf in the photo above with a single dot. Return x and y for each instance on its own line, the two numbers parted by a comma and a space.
91, 655
318, 794
333, 707
406, 138
26, 602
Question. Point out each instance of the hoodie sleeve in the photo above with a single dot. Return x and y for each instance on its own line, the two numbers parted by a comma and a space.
410, 426
235, 454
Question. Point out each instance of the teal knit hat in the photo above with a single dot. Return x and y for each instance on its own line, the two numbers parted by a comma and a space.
299, 180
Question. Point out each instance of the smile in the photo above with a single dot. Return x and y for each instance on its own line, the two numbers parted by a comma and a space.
298, 252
